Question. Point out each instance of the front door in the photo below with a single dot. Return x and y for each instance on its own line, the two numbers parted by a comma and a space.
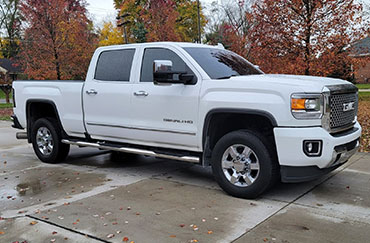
165, 114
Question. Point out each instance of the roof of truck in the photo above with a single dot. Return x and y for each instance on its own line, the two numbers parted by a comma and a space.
168, 43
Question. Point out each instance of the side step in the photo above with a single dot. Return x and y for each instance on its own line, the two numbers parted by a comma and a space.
190, 159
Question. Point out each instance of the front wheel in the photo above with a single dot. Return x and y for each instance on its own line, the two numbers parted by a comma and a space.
244, 164
46, 141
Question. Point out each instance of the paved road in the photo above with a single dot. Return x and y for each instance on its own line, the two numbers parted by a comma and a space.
364, 90
89, 198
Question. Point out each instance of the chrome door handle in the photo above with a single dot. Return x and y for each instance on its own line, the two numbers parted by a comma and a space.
141, 93
91, 92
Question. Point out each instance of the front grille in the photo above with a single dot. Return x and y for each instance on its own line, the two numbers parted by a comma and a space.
339, 118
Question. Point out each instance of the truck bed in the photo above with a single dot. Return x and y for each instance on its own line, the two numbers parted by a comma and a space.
66, 94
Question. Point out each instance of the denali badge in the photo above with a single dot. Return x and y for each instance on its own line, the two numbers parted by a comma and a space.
349, 106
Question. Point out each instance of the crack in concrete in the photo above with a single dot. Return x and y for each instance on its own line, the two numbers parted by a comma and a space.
68, 229
293, 202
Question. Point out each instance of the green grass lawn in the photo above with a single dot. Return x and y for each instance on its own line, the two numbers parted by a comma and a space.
2, 95
2, 106
5, 118
364, 96
363, 86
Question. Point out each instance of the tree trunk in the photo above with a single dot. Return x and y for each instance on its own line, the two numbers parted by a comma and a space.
7, 91
308, 36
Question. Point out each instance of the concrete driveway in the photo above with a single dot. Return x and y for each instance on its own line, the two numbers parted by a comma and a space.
89, 198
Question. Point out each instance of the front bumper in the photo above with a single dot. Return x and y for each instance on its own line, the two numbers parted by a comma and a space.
336, 150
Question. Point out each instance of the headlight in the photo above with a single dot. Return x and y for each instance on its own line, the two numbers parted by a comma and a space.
307, 106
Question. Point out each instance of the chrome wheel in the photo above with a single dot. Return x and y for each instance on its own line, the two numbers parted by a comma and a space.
240, 165
44, 141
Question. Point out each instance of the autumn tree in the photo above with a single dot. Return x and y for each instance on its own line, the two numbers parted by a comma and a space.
230, 25
176, 20
305, 36
110, 35
10, 24
160, 19
58, 39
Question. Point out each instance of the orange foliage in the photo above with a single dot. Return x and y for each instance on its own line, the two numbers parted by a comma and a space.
160, 19
58, 41
305, 36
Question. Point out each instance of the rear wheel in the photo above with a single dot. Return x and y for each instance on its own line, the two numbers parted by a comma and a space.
46, 141
243, 164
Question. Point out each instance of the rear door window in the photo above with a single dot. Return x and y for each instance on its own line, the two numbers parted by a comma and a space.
115, 65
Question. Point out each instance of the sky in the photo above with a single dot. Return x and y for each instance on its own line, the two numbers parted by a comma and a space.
103, 10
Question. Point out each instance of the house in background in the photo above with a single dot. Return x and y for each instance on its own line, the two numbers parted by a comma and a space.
361, 50
9, 71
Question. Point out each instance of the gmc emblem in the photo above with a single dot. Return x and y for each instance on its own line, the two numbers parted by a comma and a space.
348, 106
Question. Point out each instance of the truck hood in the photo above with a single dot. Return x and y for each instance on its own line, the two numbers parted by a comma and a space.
297, 82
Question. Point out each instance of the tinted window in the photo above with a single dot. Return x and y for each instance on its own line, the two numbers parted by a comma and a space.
152, 54
221, 64
114, 65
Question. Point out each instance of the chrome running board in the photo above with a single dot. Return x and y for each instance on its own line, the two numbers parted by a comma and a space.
190, 159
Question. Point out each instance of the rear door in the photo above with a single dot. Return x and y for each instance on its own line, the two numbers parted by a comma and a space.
107, 96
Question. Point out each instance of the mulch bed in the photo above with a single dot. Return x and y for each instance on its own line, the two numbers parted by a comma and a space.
364, 119
6, 112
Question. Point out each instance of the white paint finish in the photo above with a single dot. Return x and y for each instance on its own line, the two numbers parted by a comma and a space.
65, 95
140, 120
289, 142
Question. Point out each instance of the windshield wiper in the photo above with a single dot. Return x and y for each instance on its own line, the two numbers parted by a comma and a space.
227, 77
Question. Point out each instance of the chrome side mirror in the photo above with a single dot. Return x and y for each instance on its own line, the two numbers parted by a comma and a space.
162, 66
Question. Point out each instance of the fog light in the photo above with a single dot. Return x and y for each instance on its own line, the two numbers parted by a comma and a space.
312, 148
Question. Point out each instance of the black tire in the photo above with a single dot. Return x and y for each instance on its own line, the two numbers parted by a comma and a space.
266, 175
59, 151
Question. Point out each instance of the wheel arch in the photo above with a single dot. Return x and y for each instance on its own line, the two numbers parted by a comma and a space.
216, 117
41, 108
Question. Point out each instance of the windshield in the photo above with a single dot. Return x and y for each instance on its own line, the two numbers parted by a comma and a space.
221, 64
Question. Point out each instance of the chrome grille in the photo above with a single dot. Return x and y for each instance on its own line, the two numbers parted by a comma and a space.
339, 118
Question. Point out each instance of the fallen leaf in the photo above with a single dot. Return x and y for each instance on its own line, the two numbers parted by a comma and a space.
203, 220
125, 239
66, 203
210, 232
173, 236
114, 223
137, 213
54, 233
182, 225
157, 213
2, 232
128, 208
33, 222
110, 236
319, 204
265, 239
52, 240
216, 218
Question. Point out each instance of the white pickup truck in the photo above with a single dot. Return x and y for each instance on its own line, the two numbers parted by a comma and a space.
199, 104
